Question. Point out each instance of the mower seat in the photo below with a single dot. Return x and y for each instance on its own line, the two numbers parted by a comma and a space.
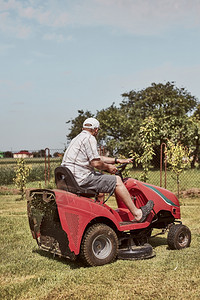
65, 180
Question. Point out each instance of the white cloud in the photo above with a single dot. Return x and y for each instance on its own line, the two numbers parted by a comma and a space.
147, 17
54, 37
10, 26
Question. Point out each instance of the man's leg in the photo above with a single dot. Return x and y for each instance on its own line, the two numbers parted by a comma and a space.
123, 193
101, 197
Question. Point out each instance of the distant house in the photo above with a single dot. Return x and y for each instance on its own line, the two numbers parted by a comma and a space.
23, 154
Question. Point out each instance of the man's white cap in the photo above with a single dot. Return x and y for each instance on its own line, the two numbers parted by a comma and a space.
91, 123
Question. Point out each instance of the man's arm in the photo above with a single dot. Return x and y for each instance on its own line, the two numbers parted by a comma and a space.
108, 163
101, 165
111, 160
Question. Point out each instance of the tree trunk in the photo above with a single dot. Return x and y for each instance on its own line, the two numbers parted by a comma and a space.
195, 154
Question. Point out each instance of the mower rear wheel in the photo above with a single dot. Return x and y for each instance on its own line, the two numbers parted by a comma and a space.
179, 237
99, 245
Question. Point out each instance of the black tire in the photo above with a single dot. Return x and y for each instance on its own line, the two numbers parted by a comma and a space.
179, 237
99, 245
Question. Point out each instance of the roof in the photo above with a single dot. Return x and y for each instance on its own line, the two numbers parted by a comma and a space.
23, 152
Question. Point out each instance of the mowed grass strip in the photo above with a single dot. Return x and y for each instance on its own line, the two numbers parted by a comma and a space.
29, 273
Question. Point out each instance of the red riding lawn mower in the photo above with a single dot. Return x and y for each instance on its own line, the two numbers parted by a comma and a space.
70, 221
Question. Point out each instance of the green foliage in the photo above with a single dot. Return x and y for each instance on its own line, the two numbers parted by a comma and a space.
195, 136
37, 173
7, 175
115, 130
168, 105
37, 170
22, 172
147, 135
178, 157
77, 123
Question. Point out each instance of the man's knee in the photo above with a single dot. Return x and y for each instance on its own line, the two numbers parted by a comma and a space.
119, 181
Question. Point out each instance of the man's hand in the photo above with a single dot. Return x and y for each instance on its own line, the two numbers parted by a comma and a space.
111, 169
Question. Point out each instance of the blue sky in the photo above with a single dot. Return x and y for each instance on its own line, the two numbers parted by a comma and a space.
58, 56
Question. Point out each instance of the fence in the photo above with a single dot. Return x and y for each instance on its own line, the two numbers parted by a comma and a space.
44, 162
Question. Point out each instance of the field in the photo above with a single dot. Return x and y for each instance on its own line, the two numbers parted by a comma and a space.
29, 273
188, 179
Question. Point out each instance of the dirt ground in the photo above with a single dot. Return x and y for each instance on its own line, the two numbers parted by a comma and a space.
7, 190
193, 192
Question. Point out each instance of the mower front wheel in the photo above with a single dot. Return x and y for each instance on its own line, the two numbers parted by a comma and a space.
99, 245
179, 237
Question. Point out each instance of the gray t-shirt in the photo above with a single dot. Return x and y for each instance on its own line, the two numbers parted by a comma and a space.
80, 152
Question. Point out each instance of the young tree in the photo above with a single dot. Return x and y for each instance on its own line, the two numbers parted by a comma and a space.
147, 135
178, 157
22, 172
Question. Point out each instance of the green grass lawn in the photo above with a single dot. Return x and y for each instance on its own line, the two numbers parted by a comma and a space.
29, 273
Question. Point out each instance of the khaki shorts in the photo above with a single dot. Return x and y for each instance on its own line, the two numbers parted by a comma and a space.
101, 183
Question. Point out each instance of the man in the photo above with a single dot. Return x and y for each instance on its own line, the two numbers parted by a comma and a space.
81, 157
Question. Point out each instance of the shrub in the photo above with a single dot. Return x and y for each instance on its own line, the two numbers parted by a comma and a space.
22, 172
37, 173
7, 175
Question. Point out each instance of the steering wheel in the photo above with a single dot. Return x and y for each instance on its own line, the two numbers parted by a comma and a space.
120, 169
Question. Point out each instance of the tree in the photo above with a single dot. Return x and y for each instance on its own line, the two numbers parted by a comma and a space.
178, 157
77, 123
147, 134
115, 130
168, 105
57, 154
22, 172
8, 154
40, 153
195, 133
171, 108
